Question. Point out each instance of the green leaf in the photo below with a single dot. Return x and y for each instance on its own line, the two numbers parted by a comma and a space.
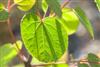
55, 6
46, 40
98, 4
44, 6
25, 5
3, 15
1, 6
93, 58
84, 20
83, 65
69, 21
7, 52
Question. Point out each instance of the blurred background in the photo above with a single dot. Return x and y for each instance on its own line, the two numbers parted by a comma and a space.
80, 43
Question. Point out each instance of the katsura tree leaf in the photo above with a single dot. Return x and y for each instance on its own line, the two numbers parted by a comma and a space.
1, 6
46, 40
98, 4
55, 6
25, 5
3, 15
7, 52
69, 20
44, 5
84, 20
93, 58
82, 65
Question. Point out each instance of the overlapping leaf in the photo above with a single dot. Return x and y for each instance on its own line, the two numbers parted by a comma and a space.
46, 40
25, 5
3, 13
7, 52
69, 21
55, 6
1, 6
93, 58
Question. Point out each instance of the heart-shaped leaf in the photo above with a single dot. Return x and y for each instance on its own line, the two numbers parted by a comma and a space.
46, 40
7, 52
69, 20
25, 5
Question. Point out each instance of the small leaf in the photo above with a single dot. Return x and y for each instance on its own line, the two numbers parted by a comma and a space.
1, 6
69, 21
55, 6
7, 52
44, 6
93, 58
84, 20
98, 4
3, 15
46, 40
82, 65
25, 5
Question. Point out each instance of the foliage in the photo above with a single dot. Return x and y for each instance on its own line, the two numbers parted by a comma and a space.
25, 5
84, 20
45, 40
3, 13
45, 28
93, 61
7, 52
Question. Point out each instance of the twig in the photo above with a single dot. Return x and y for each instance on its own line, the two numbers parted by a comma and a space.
20, 55
8, 5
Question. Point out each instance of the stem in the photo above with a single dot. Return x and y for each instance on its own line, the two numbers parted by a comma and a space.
8, 6
20, 55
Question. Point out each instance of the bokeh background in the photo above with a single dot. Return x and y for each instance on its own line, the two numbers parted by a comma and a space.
80, 43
